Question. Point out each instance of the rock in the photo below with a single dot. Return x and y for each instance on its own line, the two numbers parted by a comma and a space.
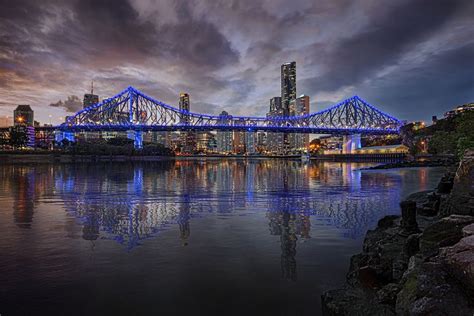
412, 245
468, 230
388, 294
387, 221
459, 261
427, 289
445, 232
408, 223
461, 199
353, 301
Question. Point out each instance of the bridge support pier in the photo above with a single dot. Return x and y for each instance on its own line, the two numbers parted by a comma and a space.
60, 136
350, 143
137, 137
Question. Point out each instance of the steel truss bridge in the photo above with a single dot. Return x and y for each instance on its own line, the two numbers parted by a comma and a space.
131, 109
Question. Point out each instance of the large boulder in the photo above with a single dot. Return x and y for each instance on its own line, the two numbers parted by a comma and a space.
445, 232
459, 262
461, 199
427, 289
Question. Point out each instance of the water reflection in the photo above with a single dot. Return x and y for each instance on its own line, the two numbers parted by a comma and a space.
132, 202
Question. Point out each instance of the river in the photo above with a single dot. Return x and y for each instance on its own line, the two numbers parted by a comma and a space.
204, 237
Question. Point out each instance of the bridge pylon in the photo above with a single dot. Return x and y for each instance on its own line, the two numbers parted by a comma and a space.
350, 143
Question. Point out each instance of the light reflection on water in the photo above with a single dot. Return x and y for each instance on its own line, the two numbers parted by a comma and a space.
145, 209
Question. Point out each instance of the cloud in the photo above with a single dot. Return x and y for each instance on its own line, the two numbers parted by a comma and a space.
227, 54
71, 104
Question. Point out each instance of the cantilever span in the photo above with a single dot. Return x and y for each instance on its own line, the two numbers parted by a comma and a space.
131, 109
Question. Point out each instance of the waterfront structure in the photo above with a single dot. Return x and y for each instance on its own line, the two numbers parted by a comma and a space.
352, 116
299, 106
390, 149
23, 115
224, 138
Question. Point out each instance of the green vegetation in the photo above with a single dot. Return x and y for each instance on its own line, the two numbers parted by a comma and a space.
451, 135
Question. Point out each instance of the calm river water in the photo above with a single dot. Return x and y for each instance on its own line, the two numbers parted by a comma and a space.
204, 237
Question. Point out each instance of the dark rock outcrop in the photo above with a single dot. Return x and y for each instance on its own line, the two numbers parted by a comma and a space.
402, 271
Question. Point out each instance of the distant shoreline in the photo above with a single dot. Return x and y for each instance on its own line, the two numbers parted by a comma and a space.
57, 157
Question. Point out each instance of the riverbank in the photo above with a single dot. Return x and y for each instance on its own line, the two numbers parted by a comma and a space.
445, 162
46, 157
419, 263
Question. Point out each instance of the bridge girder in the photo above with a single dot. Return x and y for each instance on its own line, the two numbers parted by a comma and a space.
133, 110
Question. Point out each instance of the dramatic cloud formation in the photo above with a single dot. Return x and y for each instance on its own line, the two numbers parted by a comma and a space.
412, 58
72, 104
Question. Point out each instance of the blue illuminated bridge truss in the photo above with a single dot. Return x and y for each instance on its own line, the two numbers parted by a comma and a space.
133, 110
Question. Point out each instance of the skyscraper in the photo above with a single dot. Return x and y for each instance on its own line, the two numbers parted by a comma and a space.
288, 85
288, 93
299, 106
184, 105
275, 141
188, 138
224, 138
90, 98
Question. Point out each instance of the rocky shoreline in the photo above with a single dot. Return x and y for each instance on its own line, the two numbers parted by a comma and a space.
419, 263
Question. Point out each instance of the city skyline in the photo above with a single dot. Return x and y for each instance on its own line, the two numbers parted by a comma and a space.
413, 68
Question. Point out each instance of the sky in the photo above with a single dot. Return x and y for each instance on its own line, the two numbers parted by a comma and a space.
409, 58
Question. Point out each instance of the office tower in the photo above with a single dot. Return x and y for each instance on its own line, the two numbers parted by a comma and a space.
239, 139
288, 85
275, 141
288, 93
90, 98
188, 138
224, 138
250, 143
23, 115
298, 107
184, 105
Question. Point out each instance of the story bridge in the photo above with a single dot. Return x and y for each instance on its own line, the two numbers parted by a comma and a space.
135, 112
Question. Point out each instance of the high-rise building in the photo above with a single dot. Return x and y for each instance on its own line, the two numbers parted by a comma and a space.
288, 85
188, 138
224, 138
184, 105
239, 139
90, 98
250, 142
288, 93
299, 106
23, 115
275, 141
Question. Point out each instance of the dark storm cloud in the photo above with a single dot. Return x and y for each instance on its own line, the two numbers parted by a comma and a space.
227, 54
72, 104
390, 33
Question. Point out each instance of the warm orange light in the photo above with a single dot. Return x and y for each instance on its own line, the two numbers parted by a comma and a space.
20, 119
